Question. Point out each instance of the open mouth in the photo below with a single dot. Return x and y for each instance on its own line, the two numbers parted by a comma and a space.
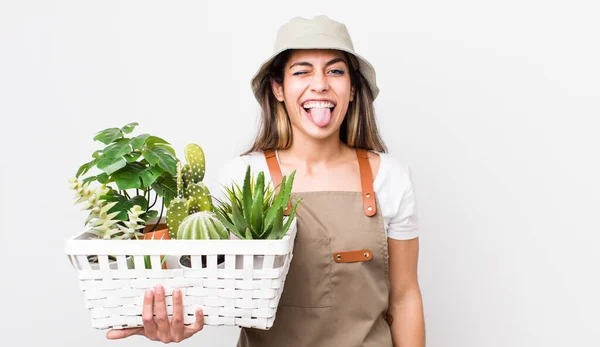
319, 111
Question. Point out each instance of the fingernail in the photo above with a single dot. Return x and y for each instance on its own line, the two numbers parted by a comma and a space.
148, 293
159, 289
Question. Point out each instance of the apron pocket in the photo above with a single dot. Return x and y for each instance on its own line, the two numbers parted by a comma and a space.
308, 283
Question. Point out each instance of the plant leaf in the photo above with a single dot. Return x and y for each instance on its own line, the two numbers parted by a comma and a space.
140, 201
247, 195
257, 205
97, 154
166, 146
138, 141
225, 220
110, 165
166, 187
277, 202
103, 178
88, 179
116, 150
83, 169
109, 135
129, 176
129, 127
150, 175
153, 140
163, 158
288, 222
133, 156
122, 206
277, 225
238, 218
149, 215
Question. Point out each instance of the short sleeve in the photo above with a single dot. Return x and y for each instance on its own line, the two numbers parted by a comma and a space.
404, 225
229, 173
234, 171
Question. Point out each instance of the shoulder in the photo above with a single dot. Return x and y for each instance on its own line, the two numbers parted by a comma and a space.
391, 172
396, 195
235, 168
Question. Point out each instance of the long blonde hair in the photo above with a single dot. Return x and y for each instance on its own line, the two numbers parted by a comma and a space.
358, 130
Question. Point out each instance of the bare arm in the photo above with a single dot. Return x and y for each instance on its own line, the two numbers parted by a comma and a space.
406, 306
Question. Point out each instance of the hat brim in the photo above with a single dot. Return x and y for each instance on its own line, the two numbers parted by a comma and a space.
365, 68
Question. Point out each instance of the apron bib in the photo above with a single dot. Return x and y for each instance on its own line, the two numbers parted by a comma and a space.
336, 291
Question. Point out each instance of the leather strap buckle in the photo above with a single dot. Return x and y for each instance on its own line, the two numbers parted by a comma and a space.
353, 256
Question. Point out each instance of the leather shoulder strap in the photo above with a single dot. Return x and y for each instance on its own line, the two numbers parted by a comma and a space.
276, 175
366, 181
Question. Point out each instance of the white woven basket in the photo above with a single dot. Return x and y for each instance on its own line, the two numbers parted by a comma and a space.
243, 291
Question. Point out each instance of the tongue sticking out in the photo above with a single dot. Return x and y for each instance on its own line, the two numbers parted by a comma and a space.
321, 116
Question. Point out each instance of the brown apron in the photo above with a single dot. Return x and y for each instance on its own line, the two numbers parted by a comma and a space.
336, 291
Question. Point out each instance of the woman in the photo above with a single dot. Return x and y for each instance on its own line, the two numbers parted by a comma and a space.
353, 279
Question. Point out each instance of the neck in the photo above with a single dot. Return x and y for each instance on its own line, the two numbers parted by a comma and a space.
306, 151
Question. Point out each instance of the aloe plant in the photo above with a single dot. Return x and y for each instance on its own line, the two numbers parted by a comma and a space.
254, 211
192, 194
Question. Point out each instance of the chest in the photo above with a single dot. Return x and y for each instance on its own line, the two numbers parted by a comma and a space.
340, 178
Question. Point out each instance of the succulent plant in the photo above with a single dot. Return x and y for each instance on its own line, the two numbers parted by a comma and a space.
101, 222
192, 194
202, 225
254, 211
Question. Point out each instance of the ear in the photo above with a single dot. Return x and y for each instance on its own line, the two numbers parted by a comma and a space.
277, 90
352, 90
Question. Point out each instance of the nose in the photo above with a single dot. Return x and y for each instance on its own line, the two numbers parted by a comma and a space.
319, 83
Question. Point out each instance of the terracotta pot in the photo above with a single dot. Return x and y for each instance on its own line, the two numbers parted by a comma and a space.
160, 233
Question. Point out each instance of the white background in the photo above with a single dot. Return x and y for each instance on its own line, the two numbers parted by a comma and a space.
494, 105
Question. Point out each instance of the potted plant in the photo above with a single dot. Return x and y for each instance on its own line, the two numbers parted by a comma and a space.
254, 211
136, 179
190, 215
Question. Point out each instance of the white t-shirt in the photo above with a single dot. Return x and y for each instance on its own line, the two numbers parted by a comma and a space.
393, 188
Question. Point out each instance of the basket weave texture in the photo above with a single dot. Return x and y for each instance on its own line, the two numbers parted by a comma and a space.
243, 291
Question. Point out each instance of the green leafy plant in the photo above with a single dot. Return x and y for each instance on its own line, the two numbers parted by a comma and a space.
254, 211
142, 169
192, 194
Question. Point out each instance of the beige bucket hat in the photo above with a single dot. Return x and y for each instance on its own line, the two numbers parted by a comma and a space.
320, 32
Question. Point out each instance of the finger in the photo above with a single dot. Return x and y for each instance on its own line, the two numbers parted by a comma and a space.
150, 327
160, 311
197, 326
114, 334
177, 319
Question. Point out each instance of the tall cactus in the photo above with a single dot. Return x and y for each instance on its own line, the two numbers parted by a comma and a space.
192, 194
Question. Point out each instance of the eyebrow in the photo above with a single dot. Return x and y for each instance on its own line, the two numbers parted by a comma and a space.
305, 63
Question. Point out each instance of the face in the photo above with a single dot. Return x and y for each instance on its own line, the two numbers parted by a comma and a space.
316, 91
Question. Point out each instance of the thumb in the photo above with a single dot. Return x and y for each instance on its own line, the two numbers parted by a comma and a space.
114, 334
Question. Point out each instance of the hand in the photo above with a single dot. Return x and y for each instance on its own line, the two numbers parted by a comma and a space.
159, 328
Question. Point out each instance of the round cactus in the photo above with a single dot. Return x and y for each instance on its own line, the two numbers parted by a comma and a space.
202, 226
